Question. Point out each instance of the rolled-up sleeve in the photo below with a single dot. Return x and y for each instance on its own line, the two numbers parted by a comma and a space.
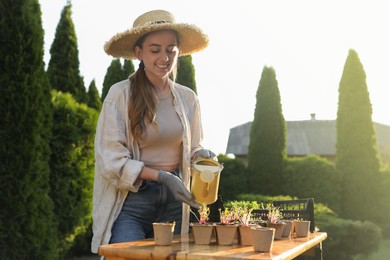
113, 156
196, 128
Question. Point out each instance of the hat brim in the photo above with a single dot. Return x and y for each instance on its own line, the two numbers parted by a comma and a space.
192, 39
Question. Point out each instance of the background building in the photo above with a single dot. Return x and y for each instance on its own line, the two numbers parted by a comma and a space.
305, 137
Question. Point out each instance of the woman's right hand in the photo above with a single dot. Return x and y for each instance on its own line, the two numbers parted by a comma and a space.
177, 188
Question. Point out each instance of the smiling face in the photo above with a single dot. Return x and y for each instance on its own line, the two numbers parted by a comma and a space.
159, 52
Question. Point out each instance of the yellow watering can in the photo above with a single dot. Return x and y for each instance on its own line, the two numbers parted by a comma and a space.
205, 180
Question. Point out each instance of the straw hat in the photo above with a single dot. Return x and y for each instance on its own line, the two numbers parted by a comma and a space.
192, 38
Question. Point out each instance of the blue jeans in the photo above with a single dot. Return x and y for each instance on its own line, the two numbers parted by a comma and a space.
152, 203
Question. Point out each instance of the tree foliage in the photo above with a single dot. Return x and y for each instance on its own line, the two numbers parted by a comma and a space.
345, 236
93, 99
27, 224
63, 69
233, 179
267, 147
115, 73
128, 68
356, 155
313, 177
383, 203
71, 164
186, 72
348, 238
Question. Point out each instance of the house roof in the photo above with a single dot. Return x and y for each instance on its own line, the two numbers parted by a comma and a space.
304, 137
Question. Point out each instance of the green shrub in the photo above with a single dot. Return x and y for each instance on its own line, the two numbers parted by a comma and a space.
82, 244
28, 228
233, 180
313, 177
384, 204
346, 238
262, 198
349, 238
71, 165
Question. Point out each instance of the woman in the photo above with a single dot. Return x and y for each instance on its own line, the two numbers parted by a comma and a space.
148, 132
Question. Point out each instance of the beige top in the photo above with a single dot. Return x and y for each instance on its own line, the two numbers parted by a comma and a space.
160, 145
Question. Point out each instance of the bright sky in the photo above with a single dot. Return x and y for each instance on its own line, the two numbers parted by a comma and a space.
306, 42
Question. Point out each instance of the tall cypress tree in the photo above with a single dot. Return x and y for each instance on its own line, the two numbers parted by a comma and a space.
93, 99
186, 72
128, 68
27, 225
356, 156
116, 72
63, 69
267, 147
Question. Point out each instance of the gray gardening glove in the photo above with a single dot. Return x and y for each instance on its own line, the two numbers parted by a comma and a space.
177, 188
204, 153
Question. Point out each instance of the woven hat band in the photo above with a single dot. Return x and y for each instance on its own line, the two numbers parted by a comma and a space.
154, 18
154, 22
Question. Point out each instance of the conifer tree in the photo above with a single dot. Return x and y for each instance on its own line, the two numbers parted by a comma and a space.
267, 147
186, 72
71, 164
63, 69
128, 68
356, 156
27, 225
115, 73
93, 99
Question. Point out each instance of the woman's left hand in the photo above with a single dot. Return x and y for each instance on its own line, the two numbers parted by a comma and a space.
205, 153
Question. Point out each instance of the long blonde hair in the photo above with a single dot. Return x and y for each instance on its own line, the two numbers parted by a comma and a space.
142, 99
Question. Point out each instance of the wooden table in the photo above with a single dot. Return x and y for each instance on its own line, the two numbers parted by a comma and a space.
183, 247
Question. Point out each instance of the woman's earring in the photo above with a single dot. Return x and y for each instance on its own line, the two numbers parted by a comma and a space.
142, 65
